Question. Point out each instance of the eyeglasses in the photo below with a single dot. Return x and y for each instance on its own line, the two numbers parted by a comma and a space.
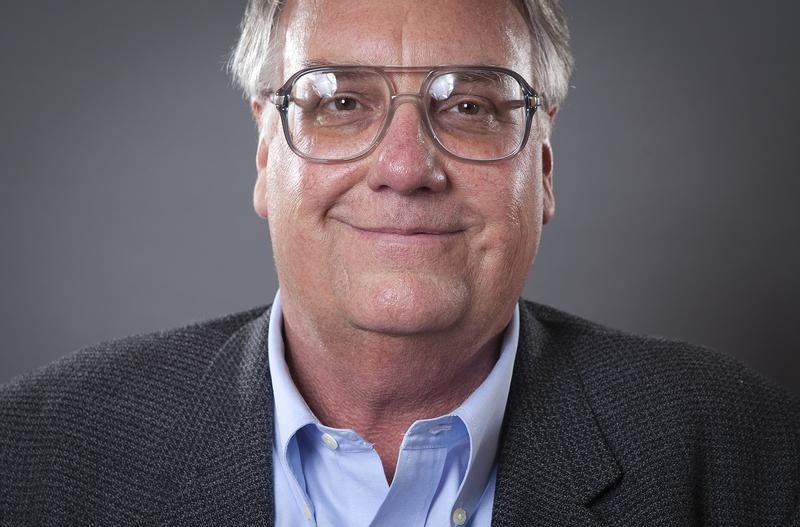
341, 113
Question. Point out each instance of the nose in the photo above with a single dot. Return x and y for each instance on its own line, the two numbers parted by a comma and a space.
406, 159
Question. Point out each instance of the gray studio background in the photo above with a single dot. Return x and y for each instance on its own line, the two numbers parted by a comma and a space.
127, 162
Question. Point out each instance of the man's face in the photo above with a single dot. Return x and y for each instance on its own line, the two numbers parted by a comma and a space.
406, 241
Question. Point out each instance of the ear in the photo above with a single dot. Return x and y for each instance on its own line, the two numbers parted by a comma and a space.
548, 196
260, 188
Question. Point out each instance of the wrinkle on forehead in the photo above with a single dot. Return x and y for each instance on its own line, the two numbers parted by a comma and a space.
395, 32
484, 18
407, 21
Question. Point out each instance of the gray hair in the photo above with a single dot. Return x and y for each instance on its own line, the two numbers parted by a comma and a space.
255, 59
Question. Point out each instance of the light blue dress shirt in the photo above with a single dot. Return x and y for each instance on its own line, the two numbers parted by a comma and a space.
445, 475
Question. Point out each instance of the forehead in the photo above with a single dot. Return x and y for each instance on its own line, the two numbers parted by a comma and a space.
404, 33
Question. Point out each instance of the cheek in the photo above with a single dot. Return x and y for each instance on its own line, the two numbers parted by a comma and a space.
525, 195
283, 185
302, 192
517, 238
509, 198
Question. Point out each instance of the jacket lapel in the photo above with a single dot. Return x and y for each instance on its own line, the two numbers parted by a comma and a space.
223, 447
553, 461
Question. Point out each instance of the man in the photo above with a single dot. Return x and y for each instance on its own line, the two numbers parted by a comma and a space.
405, 170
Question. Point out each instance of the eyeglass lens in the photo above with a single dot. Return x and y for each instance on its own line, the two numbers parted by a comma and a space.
341, 114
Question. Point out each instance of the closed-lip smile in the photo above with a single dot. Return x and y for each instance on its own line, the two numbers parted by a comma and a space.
407, 231
404, 233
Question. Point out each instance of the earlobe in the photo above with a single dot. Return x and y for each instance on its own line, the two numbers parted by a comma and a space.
260, 189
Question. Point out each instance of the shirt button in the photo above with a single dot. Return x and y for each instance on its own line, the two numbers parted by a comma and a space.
459, 516
330, 441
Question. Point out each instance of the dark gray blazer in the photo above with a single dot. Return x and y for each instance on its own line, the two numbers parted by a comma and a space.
602, 428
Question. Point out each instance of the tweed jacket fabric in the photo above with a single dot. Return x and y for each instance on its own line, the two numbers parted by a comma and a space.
601, 428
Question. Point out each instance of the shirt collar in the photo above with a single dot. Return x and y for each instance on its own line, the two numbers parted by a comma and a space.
291, 411
482, 412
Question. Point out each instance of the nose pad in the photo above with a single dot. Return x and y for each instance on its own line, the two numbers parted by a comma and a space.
406, 160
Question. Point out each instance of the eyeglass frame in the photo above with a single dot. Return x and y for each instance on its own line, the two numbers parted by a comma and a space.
281, 98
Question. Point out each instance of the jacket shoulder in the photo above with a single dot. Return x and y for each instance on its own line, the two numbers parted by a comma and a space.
683, 417
608, 357
100, 416
164, 355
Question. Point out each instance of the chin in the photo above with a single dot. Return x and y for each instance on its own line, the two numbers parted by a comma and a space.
405, 305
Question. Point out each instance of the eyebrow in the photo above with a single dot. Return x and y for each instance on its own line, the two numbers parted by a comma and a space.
468, 76
313, 63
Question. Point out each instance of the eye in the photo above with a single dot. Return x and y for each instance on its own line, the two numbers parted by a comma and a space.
343, 104
467, 107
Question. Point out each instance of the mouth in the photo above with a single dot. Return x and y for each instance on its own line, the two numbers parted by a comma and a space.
405, 234
407, 231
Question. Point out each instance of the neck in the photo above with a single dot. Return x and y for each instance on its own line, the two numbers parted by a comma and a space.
378, 385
